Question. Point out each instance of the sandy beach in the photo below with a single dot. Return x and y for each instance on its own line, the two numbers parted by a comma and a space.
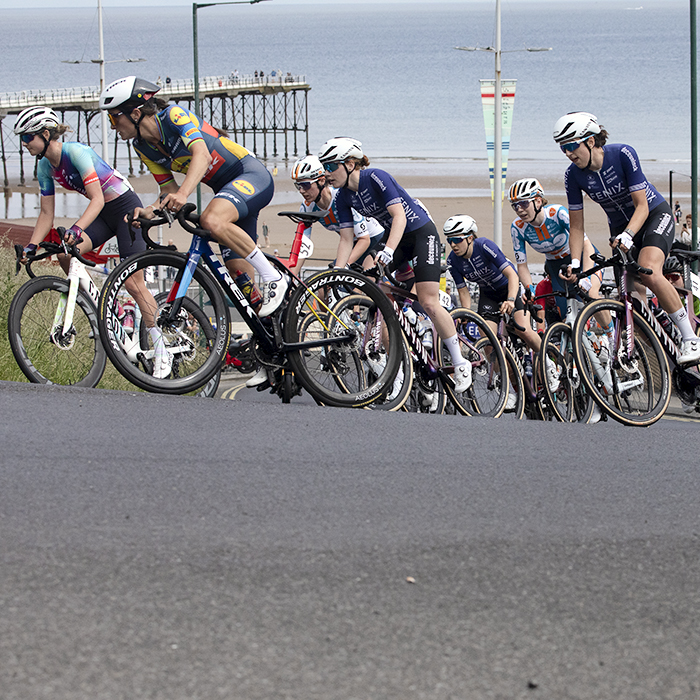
444, 195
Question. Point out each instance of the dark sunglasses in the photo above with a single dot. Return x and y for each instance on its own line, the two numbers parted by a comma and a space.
331, 167
303, 186
456, 240
27, 138
571, 147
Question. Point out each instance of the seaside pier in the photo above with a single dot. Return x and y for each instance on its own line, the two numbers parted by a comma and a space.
268, 115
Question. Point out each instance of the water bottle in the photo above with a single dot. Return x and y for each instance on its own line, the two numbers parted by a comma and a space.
250, 292
410, 315
129, 317
667, 324
527, 364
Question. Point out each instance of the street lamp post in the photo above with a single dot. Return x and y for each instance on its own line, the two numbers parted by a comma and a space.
195, 52
498, 122
100, 60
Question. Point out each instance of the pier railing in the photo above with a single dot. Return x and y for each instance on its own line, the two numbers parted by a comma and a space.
266, 114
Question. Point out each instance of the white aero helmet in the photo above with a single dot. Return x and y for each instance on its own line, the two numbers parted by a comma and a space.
308, 168
575, 126
35, 119
460, 225
527, 188
338, 149
127, 93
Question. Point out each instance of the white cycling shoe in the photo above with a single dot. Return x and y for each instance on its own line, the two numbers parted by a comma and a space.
596, 415
162, 361
463, 377
512, 401
273, 296
260, 377
690, 352
553, 374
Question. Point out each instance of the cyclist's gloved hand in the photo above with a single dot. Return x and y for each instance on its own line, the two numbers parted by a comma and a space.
625, 240
73, 235
384, 257
532, 289
30, 249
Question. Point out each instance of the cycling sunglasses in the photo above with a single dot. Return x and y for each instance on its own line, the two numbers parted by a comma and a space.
303, 186
331, 167
113, 116
522, 204
456, 240
571, 147
27, 138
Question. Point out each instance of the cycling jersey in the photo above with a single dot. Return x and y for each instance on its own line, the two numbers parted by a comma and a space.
80, 166
362, 227
378, 190
550, 238
485, 267
179, 129
612, 185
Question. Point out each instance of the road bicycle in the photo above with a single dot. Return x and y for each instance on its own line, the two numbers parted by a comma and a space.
631, 379
54, 328
527, 396
52, 322
431, 383
326, 366
570, 400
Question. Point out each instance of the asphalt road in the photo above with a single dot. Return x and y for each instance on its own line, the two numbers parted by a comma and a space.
165, 547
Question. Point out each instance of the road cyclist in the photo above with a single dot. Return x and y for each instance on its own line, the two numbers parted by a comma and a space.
481, 261
77, 167
356, 244
412, 234
295, 342
170, 138
639, 218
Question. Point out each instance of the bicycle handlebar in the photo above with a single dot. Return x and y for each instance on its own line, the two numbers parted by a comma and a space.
163, 216
50, 249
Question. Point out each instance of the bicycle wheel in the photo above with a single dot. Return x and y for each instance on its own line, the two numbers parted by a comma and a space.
427, 395
635, 390
193, 326
45, 354
350, 373
488, 394
516, 389
569, 400
196, 345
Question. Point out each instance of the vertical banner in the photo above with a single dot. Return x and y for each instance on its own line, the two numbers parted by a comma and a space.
488, 104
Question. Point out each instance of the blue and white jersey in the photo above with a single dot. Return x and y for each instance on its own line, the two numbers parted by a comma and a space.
551, 238
362, 227
485, 267
378, 190
612, 185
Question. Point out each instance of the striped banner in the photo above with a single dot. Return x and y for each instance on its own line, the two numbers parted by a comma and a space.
507, 103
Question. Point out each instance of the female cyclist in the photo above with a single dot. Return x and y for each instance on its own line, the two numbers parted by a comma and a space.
356, 244
545, 227
77, 167
171, 138
481, 261
412, 234
638, 216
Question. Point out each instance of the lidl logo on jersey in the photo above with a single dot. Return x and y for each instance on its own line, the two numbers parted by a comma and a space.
178, 116
244, 186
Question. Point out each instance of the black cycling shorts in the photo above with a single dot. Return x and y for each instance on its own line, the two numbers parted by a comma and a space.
422, 248
490, 302
658, 230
